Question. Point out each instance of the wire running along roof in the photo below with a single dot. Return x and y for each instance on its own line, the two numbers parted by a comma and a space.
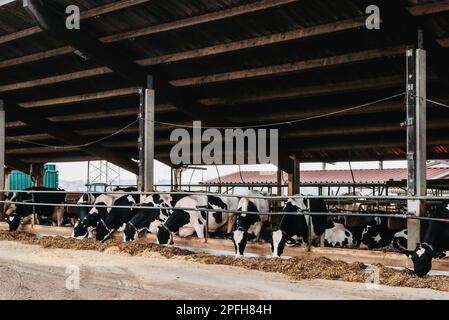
233, 63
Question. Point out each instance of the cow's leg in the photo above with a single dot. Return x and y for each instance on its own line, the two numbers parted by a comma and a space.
257, 230
199, 229
322, 241
58, 215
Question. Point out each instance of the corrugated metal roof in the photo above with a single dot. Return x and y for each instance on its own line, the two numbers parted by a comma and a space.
361, 176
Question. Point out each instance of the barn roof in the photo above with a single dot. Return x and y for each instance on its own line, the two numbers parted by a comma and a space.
361, 176
226, 62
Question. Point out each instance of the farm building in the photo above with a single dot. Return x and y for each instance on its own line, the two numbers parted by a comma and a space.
333, 81
334, 182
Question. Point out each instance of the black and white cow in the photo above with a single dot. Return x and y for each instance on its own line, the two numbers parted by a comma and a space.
149, 219
295, 228
112, 218
337, 235
187, 222
377, 235
16, 212
83, 219
434, 243
249, 226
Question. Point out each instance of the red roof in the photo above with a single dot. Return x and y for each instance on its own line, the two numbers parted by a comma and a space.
361, 176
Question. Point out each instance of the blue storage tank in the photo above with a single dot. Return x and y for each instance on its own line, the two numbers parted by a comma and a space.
20, 181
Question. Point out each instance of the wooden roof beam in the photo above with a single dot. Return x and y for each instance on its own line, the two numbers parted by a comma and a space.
115, 60
64, 133
294, 67
16, 164
198, 20
91, 13
310, 91
277, 38
394, 13
429, 8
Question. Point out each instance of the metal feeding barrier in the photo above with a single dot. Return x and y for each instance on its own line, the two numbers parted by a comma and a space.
337, 199
273, 198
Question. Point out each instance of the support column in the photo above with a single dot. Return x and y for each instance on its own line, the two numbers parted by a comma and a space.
416, 141
149, 137
140, 141
145, 179
2, 146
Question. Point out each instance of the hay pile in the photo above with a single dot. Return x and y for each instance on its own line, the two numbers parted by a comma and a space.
297, 268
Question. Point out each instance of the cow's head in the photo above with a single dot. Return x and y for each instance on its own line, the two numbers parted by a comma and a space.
164, 236
85, 219
10, 208
13, 221
240, 238
130, 232
422, 259
82, 226
145, 218
369, 232
103, 232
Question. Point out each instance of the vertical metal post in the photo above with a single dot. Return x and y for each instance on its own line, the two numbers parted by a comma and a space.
140, 141
2, 146
149, 137
416, 141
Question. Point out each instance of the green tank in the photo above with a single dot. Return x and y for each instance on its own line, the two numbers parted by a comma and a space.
20, 181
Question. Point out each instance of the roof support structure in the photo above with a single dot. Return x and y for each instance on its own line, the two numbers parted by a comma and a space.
65, 134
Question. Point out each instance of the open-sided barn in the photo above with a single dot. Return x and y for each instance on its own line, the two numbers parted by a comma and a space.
228, 63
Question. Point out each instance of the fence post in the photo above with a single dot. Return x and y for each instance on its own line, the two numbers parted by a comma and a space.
416, 141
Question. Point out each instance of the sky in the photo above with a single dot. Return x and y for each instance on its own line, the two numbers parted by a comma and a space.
73, 171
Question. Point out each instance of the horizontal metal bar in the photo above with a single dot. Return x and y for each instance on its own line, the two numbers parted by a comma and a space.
275, 198
339, 214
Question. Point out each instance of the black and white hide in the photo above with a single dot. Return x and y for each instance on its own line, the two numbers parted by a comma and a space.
249, 226
113, 218
81, 227
15, 213
151, 214
377, 235
294, 229
185, 221
434, 244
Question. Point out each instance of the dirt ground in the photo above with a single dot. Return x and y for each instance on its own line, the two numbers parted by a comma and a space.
33, 272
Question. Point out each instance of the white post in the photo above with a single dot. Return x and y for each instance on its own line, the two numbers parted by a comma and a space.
149, 141
416, 141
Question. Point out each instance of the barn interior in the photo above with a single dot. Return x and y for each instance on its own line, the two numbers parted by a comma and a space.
228, 63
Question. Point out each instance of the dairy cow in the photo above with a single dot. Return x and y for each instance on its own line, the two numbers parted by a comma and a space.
16, 212
87, 223
81, 226
187, 222
295, 228
110, 219
434, 244
249, 226
377, 235
150, 219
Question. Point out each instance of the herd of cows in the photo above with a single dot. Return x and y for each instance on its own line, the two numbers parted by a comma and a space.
239, 218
